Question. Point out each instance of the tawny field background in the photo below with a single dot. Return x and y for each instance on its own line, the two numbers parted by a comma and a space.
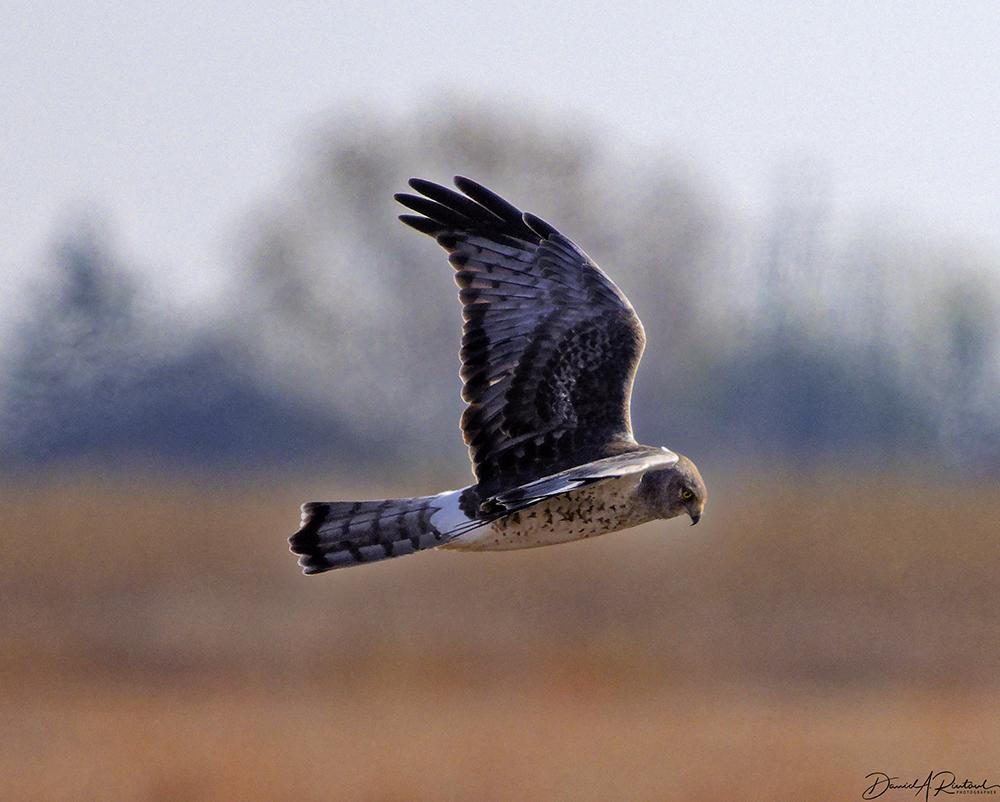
160, 644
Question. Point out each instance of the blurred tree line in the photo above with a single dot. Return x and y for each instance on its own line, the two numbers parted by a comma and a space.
788, 338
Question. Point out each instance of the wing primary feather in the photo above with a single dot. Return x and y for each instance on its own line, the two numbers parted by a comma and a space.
453, 200
569, 248
475, 278
539, 226
433, 210
462, 260
514, 249
476, 294
422, 224
503, 209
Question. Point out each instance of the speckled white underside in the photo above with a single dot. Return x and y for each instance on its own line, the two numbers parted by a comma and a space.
590, 511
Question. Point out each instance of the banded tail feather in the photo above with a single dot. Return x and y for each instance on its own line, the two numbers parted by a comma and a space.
339, 534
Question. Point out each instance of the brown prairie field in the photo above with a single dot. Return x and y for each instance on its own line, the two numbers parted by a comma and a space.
159, 643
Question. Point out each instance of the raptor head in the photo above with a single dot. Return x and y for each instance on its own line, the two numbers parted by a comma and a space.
677, 490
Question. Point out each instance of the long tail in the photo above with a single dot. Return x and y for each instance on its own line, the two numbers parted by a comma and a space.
339, 534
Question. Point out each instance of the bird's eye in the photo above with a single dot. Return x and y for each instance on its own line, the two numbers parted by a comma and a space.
686, 494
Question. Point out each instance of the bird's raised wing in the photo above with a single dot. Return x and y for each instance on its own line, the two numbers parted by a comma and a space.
550, 344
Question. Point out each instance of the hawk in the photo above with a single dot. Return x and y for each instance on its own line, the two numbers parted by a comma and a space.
549, 351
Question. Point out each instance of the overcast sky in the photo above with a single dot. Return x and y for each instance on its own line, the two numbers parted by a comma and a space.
174, 118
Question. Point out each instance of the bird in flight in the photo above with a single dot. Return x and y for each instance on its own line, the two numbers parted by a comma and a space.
549, 352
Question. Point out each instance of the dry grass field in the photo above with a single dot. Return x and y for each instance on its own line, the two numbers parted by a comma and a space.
160, 644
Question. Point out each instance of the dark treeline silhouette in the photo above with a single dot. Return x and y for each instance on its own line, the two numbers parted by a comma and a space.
787, 338
91, 379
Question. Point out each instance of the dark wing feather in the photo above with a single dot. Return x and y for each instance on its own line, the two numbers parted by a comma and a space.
550, 344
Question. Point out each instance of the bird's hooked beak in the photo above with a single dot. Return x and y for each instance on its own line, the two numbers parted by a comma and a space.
695, 517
